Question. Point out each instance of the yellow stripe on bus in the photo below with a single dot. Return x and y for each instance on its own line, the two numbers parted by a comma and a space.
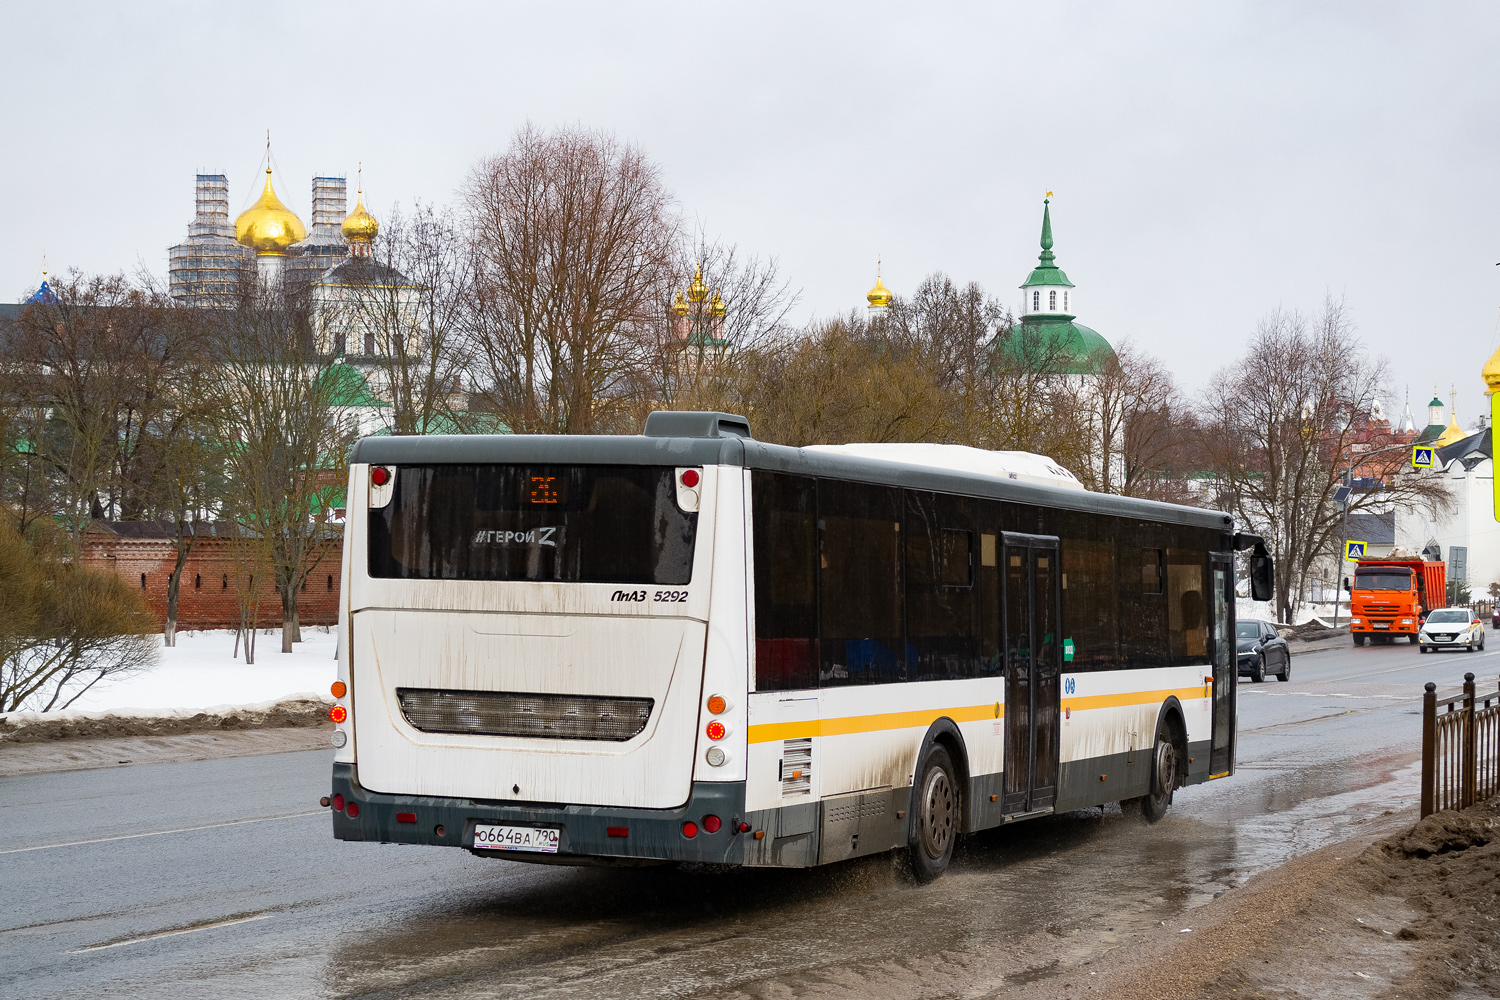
770, 732
1133, 698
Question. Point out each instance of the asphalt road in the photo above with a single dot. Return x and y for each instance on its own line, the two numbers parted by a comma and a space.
220, 878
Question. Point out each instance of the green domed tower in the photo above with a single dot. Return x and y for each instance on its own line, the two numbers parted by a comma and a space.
1045, 338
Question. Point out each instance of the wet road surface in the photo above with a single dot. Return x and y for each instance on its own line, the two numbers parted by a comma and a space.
220, 878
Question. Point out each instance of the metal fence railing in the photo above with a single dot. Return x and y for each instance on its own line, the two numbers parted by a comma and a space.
1460, 748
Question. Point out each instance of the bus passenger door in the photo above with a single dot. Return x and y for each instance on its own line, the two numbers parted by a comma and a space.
1225, 672
1030, 596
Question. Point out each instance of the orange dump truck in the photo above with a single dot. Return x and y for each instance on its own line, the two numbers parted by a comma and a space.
1391, 597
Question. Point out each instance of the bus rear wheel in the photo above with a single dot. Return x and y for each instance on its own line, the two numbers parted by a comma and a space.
935, 826
1163, 778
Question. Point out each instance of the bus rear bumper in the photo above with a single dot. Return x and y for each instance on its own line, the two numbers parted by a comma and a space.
586, 833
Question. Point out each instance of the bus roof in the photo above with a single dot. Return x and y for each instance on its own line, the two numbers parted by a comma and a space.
732, 449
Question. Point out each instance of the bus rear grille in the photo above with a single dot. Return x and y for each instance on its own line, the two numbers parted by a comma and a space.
509, 713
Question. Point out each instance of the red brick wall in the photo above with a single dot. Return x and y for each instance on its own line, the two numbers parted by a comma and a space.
207, 596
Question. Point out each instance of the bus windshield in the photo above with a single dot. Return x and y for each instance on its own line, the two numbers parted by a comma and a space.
577, 524
1385, 579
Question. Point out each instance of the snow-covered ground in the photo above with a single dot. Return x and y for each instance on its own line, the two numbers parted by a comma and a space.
201, 671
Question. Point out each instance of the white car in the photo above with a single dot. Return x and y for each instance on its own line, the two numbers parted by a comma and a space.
1450, 628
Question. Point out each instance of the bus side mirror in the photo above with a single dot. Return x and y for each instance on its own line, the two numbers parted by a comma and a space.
1347, 590
1262, 577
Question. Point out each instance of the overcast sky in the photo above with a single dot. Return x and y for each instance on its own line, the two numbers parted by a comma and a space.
1210, 161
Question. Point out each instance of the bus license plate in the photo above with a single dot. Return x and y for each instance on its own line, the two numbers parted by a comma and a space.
1381, 625
536, 839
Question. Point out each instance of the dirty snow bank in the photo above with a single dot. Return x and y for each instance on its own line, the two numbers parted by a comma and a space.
308, 710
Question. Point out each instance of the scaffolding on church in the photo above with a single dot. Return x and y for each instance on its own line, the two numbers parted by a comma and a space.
209, 267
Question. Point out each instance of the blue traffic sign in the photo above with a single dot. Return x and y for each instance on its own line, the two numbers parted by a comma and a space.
1421, 457
1354, 550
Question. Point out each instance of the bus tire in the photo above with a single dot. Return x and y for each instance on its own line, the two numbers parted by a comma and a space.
1163, 778
936, 811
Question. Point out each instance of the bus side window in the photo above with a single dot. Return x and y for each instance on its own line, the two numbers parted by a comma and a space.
861, 638
786, 599
1187, 616
990, 663
1143, 610
1090, 598
941, 628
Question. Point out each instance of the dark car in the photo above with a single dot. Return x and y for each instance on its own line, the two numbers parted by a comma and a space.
1262, 651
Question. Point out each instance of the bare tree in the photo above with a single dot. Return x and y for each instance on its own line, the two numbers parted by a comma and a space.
571, 232
94, 363
1127, 413
700, 347
280, 409
1283, 427
833, 383
411, 295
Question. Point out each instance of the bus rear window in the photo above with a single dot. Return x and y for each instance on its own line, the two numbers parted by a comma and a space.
573, 524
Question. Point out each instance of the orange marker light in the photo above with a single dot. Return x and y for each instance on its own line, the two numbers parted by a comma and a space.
715, 730
339, 689
338, 713
716, 705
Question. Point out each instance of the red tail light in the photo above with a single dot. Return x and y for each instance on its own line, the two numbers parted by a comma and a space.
690, 478
715, 730
406, 817
338, 713
617, 831
380, 476
352, 810
711, 824
690, 829
338, 803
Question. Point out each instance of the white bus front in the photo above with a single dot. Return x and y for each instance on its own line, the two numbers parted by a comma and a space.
544, 647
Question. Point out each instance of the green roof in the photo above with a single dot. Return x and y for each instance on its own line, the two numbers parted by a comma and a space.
347, 387
1056, 346
1435, 402
1046, 272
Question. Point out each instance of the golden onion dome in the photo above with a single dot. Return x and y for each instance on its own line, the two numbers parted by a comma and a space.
1491, 371
716, 305
679, 304
268, 226
1450, 434
880, 296
360, 226
697, 291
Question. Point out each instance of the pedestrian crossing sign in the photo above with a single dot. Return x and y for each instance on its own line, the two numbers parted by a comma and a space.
1354, 550
1421, 457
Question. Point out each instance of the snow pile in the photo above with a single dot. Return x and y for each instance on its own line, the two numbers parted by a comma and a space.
35, 727
201, 674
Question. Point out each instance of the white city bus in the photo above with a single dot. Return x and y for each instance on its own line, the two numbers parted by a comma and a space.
689, 645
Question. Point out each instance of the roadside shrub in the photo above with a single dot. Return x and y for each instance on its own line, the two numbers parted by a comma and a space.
63, 627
